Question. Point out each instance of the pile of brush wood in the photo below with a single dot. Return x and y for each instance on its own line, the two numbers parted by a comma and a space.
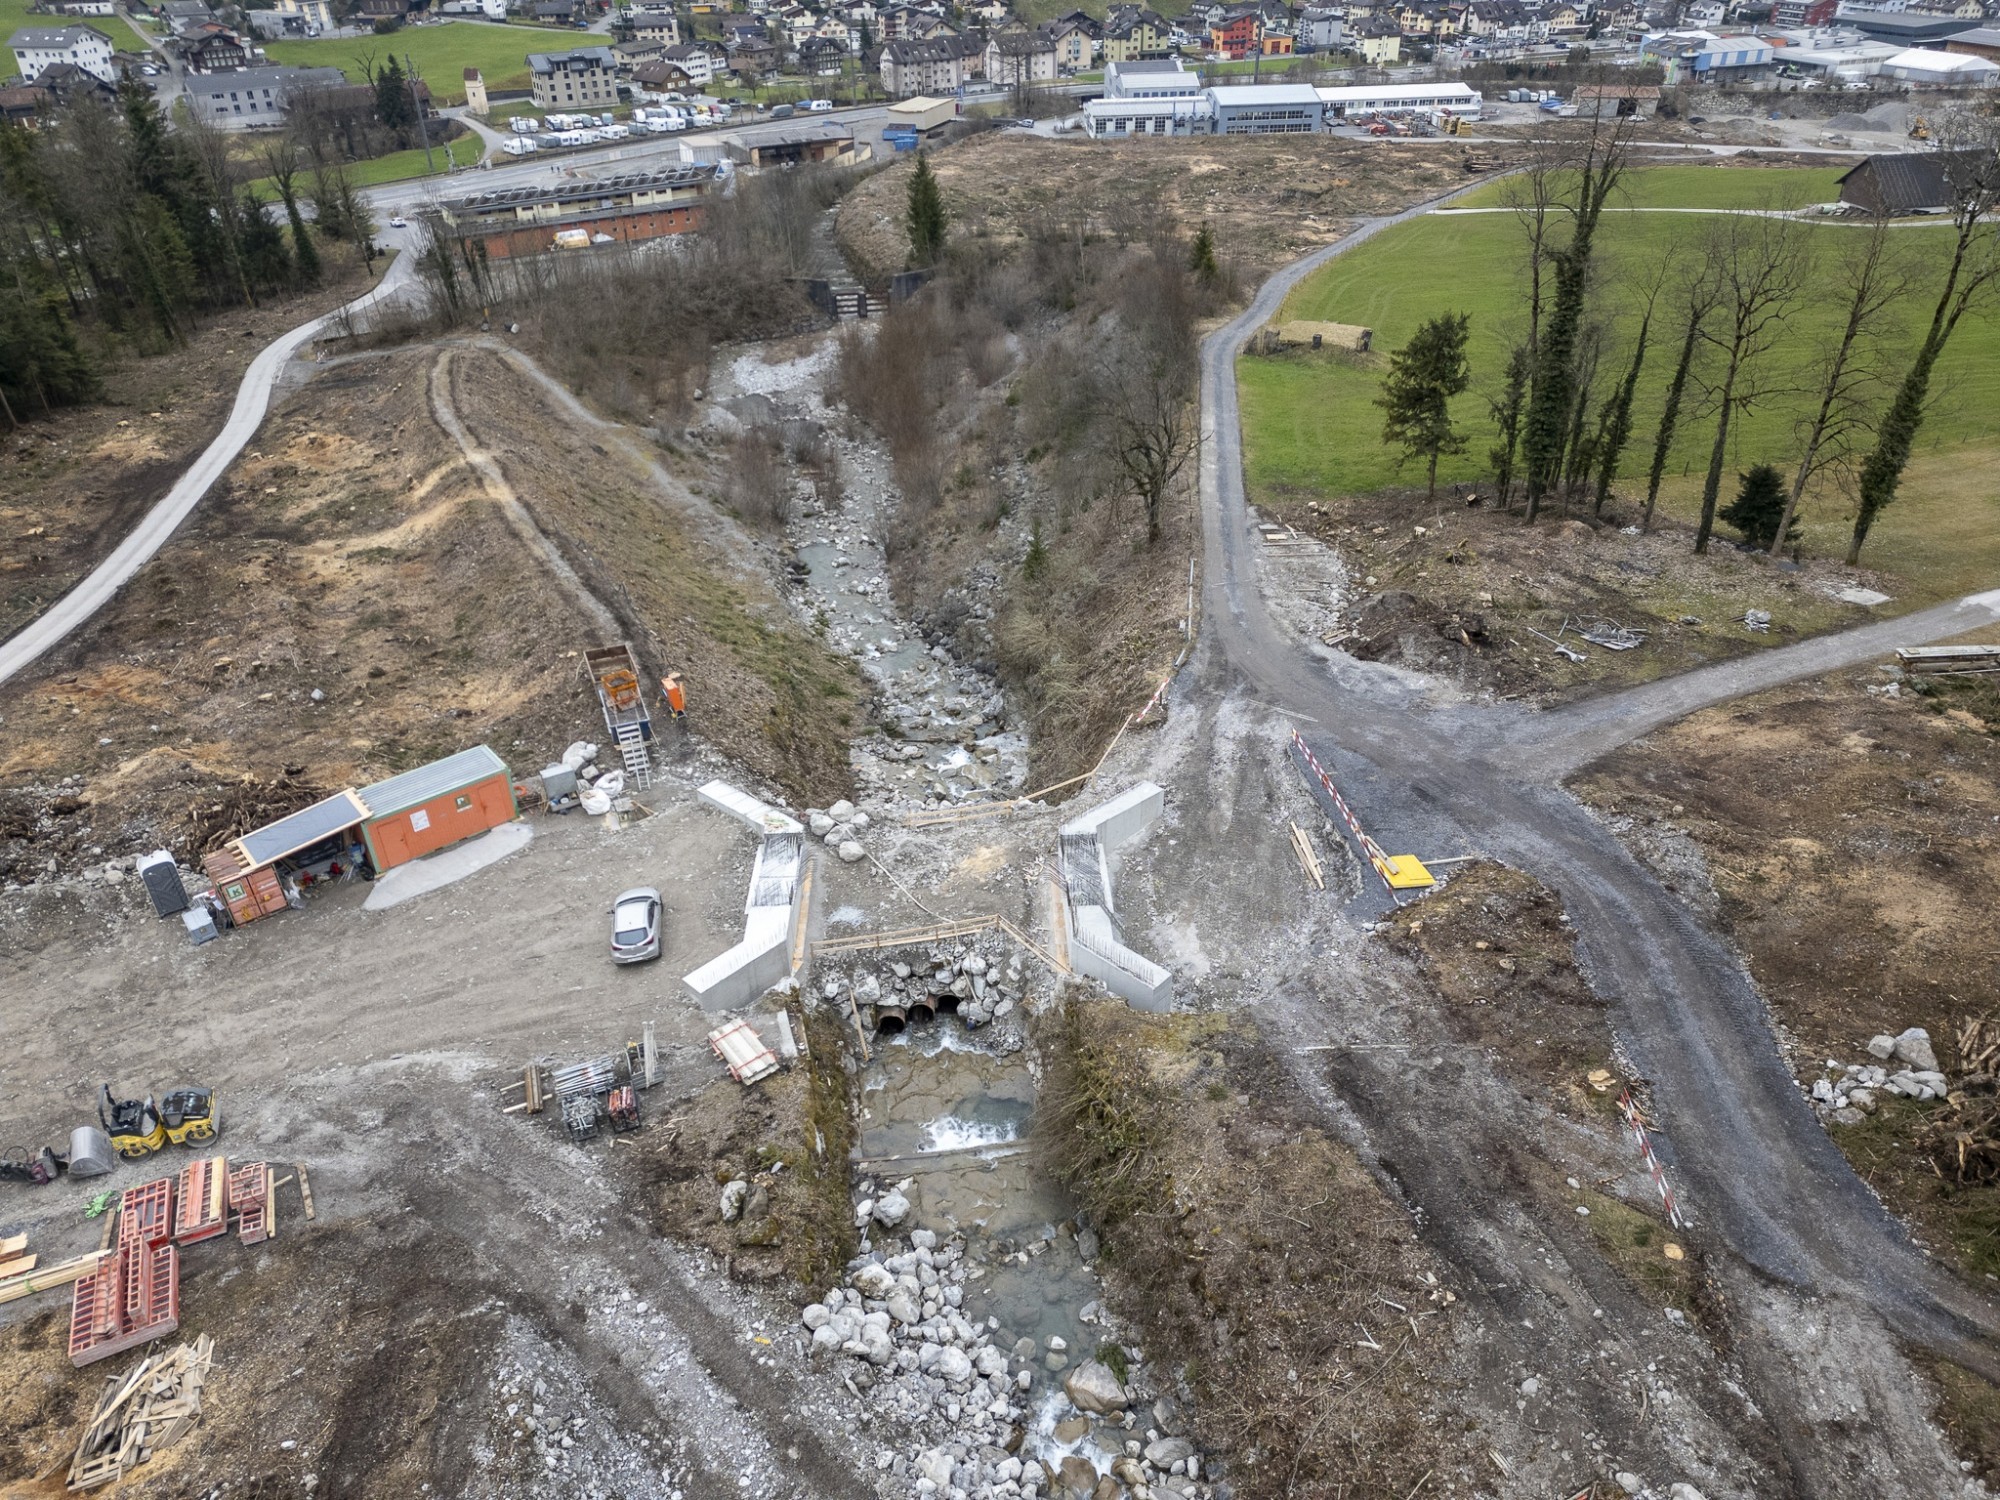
1963, 1139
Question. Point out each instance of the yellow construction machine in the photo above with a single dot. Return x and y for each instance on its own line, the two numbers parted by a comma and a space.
139, 1127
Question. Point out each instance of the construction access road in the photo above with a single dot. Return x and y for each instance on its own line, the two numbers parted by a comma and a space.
1757, 1169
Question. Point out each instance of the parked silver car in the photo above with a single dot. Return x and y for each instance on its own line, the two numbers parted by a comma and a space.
635, 926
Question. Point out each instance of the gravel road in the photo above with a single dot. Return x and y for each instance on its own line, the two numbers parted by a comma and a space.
1762, 1172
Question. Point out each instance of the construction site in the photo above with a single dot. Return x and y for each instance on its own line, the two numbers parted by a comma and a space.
527, 974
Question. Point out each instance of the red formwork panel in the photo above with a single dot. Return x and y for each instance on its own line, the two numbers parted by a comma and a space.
249, 1195
202, 1202
146, 1213
133, 1298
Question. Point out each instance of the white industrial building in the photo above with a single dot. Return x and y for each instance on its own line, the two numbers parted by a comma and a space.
1265, 109
1921, 65
1121, 119
1401, 99
1151, 78
1258, 108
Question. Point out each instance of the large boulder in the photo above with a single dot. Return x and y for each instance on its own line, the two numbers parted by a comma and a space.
891, 1209
733, 1198
1077, 1476
873, 1281
1092, 1387
1914, 1048
953, 1367
1168, 1451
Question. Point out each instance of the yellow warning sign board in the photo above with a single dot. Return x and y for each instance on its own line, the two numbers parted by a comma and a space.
1406, 872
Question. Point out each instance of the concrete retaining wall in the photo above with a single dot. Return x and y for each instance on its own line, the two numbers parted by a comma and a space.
1089, 852
732, 979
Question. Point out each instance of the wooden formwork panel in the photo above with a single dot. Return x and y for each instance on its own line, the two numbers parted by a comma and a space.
146, 1213
250, 1197
202, 1202
134, 1298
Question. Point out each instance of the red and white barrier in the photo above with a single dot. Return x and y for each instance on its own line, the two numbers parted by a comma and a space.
1631, 1113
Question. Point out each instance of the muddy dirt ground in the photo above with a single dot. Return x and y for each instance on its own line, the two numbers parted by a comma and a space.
1269, 202
1471, 595
354, 598
72, 483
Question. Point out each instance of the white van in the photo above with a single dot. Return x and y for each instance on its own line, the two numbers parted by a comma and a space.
519, 146
615, 132
570, 137
820, 106
521, 125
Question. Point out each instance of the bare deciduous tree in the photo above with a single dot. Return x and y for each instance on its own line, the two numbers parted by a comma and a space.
1872, 280
1761, 263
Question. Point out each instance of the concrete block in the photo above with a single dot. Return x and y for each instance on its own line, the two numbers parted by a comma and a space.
760, 816
1097, 952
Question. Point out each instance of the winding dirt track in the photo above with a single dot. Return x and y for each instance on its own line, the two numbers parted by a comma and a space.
1763, 1173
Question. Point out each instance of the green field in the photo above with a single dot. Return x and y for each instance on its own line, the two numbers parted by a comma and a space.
15, 16
1699, 187
441, 53
1310, 425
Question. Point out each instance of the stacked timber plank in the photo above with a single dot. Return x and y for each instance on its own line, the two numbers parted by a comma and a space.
142, 1414
744, 1052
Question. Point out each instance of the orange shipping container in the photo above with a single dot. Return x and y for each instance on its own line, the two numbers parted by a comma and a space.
422, 811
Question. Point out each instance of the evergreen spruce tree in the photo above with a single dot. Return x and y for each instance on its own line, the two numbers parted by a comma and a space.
1759, 507
927, 218
1423, 377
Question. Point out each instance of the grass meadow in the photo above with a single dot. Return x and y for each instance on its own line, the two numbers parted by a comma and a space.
441, 53
1310, 424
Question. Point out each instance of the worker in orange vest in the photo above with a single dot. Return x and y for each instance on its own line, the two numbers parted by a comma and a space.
677, 699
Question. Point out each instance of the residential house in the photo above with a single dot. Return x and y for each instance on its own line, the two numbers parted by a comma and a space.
317, 15
1014, 58
1131, 34
794, 24
628, 55
39, 48
1497, 21
1379, 40
1803, 15
583, 78
660, 26
213, 48
992, 12
1237, 34
1075, 48
1322, 30
936, 65
822, 56
550, 12
738, 29
179, 13
254, 98
25, 104
750, 58
697, 60
66, 83
663, 78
